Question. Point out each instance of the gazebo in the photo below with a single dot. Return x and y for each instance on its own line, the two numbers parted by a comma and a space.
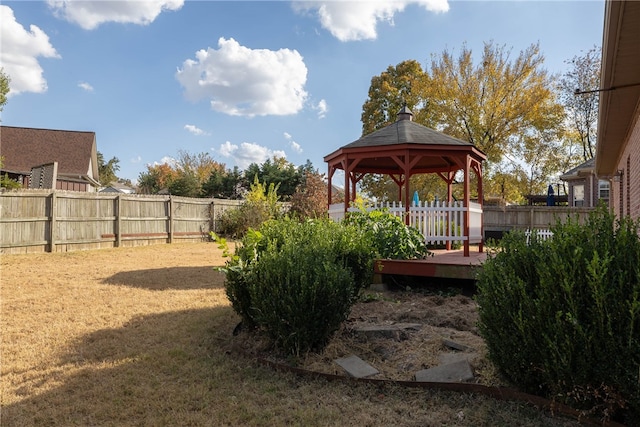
403, 149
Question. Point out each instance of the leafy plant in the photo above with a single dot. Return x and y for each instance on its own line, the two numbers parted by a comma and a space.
261, 204
392, 239
298, 280
562, 317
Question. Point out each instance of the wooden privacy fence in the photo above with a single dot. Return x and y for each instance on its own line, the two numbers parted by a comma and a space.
55, 221
499, 219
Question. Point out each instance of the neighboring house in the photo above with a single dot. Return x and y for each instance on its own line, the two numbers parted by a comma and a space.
585, 189
116, 187
618, 147
74, 152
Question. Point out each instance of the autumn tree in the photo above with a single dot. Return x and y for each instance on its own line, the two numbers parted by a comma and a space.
579, 94
310, 197
389, 92
156, 178
499, 104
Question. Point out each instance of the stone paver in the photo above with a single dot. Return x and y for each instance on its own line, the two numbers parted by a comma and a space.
451, 373
356, 367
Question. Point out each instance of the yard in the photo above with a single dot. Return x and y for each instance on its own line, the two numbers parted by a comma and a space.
143, 336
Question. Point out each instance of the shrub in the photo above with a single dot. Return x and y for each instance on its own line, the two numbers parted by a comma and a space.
392, 238
562, 317
261, 204
298, 280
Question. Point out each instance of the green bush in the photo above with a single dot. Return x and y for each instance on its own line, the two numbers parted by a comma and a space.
561, 317
261, 205
392, 238
298, 280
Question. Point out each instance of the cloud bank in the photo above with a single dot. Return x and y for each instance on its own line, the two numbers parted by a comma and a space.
358, 20
240, 81
20, 52
91, 14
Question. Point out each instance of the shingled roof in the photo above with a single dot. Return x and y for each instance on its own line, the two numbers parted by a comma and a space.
405, 131
24, 148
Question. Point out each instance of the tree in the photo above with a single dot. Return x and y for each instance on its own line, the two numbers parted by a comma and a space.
578, 92
491, 104
310, 198
225, 184
107, 171
156, 178
278, 171
4, 88
499, 105
389, 92
186, 184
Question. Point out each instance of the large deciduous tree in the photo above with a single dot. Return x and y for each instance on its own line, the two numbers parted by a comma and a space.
506, 107
579, 95
389, 92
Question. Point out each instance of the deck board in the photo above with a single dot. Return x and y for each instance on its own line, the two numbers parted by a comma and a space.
443, 264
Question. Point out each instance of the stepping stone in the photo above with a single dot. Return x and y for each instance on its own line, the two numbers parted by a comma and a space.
447, 358
452, 373
456, 346
395, 331
356, 367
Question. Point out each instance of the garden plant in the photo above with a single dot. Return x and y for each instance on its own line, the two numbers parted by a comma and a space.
561, 317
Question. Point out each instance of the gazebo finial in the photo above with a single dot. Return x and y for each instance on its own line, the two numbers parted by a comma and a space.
405, 114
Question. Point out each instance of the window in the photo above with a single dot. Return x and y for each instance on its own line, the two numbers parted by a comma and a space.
578, 195
603, 190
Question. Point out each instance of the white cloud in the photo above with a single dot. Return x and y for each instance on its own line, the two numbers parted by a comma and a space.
86, 86
136, 159
20, 52
90, 14
195, 130
294, 145
321, 107
357, 20
246, 82
247, 153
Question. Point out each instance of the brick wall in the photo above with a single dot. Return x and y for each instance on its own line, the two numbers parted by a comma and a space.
625, 191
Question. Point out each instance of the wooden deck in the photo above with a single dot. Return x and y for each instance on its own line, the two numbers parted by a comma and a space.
443, 264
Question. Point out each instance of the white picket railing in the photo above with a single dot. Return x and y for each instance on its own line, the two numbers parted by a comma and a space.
543, 234
439, 222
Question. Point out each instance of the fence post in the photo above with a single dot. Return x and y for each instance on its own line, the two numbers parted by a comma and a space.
52, 223
170, 219
118, 224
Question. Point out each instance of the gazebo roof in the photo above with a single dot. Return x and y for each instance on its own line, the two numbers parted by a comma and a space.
406, 132
434, 150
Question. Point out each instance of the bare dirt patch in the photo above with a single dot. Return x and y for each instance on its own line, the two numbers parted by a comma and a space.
435, 318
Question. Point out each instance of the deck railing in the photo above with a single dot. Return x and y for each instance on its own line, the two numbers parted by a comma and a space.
439, 222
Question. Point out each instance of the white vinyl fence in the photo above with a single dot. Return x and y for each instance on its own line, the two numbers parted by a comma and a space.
439, 222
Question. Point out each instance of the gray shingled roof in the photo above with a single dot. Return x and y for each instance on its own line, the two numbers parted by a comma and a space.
24, 148
576, 171
406, 132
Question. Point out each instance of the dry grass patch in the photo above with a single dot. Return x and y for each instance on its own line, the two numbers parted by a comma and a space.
141, 336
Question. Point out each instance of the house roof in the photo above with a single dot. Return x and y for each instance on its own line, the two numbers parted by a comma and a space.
579, 171
24, 148
620, 82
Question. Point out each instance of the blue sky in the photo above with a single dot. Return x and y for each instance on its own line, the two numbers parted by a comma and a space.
245, 81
